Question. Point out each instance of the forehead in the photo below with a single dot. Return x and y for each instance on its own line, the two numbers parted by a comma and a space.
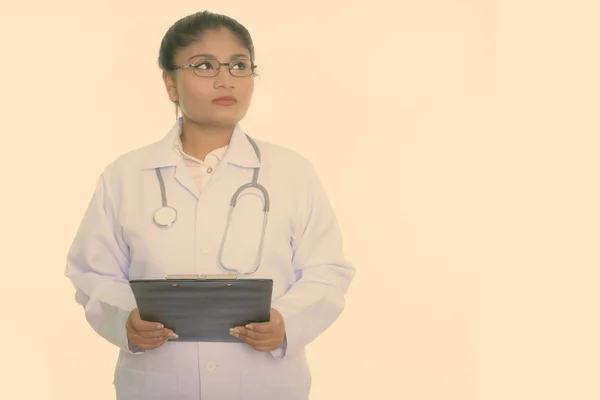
221, 44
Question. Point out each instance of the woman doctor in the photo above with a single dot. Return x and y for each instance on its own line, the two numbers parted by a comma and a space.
208, 70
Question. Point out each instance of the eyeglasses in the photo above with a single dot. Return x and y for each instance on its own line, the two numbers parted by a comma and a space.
211, 68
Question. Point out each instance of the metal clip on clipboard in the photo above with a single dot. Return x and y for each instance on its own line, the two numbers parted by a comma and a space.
195, 277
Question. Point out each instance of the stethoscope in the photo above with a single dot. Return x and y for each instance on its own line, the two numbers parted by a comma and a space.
167, 215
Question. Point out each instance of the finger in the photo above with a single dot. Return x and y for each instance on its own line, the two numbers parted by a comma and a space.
254, 339
256, 344
264, 327
147, 337
168, 333
164, 333
157, 333
237, 331
249, 340
140, 325
146, 344
143, 342
258, 336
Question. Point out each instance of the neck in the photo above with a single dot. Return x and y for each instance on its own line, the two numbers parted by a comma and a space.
198, 140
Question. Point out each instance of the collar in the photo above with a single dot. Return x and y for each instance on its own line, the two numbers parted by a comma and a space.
216, 153
164, 153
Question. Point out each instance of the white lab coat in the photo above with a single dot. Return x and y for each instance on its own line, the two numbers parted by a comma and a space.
118, 241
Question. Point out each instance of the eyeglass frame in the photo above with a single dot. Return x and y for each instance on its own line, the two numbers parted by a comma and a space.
252, 68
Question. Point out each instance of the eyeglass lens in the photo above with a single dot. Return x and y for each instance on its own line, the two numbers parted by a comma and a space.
211, 67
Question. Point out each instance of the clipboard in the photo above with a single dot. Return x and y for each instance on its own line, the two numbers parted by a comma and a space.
202, 308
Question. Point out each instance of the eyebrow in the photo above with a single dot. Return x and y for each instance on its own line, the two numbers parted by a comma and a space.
212, 56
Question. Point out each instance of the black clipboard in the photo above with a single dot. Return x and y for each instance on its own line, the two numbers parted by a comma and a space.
202, 308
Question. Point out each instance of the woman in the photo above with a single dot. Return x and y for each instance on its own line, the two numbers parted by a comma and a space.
208, 70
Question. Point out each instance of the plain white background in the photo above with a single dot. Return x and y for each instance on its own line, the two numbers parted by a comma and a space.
457, 141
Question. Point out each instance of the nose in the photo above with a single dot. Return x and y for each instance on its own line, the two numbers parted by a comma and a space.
223, 77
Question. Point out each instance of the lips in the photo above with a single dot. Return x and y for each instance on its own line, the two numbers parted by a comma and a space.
225, 100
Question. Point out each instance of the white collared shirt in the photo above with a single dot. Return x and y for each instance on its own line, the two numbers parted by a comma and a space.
201, 171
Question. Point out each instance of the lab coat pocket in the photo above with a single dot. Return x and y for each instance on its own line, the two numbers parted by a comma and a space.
273, 379
133, 384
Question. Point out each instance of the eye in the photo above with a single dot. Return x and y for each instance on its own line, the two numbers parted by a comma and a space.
241, 65
204, 65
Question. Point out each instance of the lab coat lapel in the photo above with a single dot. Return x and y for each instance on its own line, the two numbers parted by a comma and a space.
164, 155
182, 175
240, 153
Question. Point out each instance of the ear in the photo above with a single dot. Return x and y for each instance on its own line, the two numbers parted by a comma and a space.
171, 86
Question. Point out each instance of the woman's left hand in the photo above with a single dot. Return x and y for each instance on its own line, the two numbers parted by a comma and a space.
262, 336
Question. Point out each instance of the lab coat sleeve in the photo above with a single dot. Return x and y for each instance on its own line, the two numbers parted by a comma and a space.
316, 299
97, 265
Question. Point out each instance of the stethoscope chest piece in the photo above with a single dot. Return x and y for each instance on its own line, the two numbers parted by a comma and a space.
165, 216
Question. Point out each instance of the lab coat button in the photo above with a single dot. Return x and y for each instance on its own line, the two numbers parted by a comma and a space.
211, 366
209, 170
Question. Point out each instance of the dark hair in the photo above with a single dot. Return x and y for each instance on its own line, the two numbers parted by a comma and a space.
189, 29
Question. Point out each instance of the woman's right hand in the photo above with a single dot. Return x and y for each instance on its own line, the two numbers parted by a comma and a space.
145, 335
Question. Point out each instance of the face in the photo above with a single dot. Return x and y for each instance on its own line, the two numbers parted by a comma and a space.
196, 94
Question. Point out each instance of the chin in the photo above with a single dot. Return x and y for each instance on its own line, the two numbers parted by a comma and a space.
216, 121
219, 118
